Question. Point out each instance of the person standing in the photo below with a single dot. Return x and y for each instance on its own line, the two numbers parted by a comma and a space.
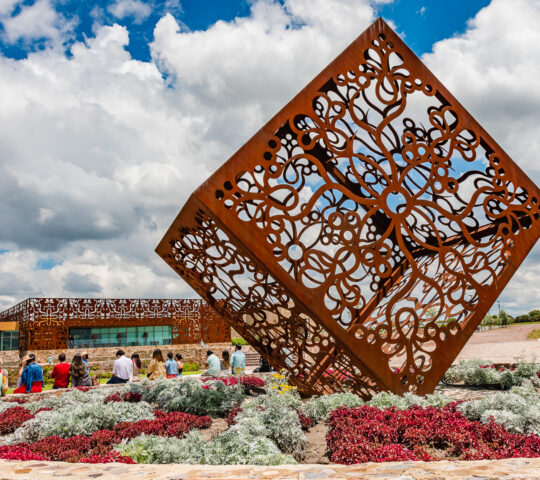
156, 368
180, 363
214, 366
171, 367
79, 372
32, 377
137, 365
122, 369
60, 372
238, 361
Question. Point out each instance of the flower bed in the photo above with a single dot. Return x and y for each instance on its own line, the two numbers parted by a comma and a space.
100, 444
158, 422
369, 434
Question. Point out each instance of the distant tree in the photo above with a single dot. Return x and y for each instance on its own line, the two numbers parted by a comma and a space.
504, 318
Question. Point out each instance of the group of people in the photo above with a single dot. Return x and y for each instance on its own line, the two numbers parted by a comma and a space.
235, 364
30, 378
124, 369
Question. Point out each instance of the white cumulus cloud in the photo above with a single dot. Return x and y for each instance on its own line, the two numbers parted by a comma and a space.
99, 151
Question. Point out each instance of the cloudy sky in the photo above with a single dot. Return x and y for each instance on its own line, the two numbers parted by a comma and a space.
112, 112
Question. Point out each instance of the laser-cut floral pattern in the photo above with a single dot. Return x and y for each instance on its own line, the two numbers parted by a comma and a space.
378, 201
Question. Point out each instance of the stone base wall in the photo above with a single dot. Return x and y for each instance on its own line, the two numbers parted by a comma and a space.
192, 353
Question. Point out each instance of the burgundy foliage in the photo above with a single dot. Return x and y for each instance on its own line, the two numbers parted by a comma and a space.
13, 418
97, 448
231, 417
250, 382
368, 434
131, 397
306, 422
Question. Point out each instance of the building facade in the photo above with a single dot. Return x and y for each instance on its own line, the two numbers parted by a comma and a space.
61, 323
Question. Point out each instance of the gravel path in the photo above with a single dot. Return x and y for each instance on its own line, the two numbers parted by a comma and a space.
502, 345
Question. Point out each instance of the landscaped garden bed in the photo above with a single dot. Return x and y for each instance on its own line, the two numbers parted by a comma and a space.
223, 422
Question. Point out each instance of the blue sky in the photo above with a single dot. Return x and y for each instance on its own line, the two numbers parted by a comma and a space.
422, 22
114, 111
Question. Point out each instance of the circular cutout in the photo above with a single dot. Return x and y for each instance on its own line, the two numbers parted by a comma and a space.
396, 202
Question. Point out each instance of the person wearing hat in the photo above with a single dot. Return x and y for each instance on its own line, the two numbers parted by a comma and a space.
32, 377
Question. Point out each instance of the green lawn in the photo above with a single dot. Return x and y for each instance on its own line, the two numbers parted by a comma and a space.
48, 386
534, 334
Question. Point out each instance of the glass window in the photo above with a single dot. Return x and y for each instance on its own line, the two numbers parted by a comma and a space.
9, 340
118, 336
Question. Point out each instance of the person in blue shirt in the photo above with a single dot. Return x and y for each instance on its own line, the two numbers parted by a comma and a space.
171, 367
32, 377
238, 361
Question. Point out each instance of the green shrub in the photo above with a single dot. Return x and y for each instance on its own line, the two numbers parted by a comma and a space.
318, 408
187, 395
191, 367
239, 341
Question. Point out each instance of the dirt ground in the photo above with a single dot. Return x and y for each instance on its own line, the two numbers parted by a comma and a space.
219, 425
316, 444
513, 333
502, 345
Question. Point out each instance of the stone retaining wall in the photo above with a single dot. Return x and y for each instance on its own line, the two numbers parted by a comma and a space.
192, 353
513, 468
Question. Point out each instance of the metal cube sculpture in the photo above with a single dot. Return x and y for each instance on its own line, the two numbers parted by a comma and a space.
359, 238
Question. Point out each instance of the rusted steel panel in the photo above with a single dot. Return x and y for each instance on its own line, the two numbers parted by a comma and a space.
359, 238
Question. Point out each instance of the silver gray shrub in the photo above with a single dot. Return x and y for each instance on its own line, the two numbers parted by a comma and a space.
83, 419
229, 448
518, 410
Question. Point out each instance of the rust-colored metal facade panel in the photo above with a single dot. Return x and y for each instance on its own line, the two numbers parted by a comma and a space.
362, 234
44, 322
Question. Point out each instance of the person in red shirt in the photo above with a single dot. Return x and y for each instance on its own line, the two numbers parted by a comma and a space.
60, 372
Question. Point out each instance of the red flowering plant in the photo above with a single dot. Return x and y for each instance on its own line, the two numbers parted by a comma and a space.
231, 417
226, 380
368, 434
97, 447
108, 458
305, 422
8, 452
250, 382
13, 418
131, 397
